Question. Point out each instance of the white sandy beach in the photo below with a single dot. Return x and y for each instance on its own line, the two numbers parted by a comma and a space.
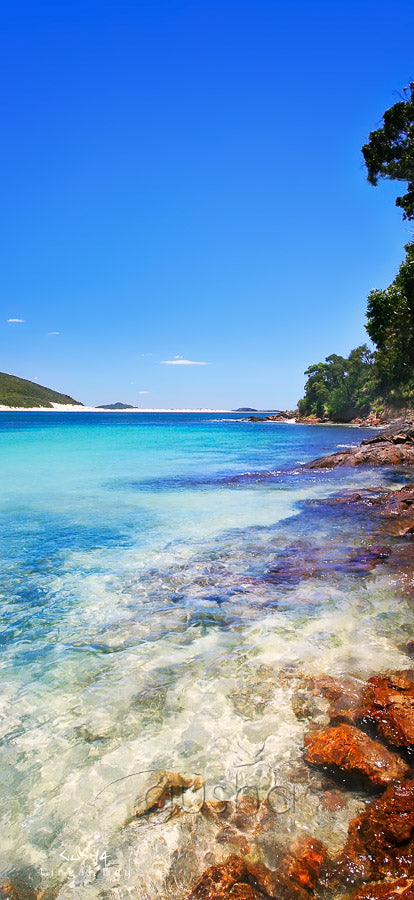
66, 407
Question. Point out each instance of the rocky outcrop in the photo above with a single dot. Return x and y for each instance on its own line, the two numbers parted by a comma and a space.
348, 750
388, 701
285, 416
392, 446
380, 841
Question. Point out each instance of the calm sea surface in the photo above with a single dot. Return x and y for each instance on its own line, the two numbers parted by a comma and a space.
140, 629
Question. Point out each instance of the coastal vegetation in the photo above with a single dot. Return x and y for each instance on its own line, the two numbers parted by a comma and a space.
20, 392
344, 388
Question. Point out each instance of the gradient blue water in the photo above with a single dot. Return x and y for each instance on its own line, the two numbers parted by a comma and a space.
133, 607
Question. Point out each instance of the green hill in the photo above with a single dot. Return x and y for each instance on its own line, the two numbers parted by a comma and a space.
19, 392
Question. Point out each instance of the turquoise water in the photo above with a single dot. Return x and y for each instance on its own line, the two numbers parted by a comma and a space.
141, 629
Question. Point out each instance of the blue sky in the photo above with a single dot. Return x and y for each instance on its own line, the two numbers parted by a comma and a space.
184, 180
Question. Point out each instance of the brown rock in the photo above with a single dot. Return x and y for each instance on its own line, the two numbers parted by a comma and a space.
403, 889
304, 862
235, 878
220, 881
380, 841
385, 454
410, 648
398, 503
389, 702
350, 751
296, 878
344, 695
392, 446
162, 787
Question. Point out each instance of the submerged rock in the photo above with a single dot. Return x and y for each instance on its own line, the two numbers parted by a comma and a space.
333, 800
380, 841
344, 696
304, 862
346, 749
298, 563
389, 703
162, 787
403, 889
231, 878
296, 878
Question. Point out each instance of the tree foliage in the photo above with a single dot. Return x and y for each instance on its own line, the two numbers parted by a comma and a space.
390, 325
340, 388
389, 152
20, 392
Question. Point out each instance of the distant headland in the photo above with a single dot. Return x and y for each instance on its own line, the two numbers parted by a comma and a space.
22, 394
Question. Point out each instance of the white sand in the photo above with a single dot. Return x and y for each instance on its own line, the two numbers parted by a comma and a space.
67, 407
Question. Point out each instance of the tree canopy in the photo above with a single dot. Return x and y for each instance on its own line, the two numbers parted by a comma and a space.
340, 388
390, 325
389, 152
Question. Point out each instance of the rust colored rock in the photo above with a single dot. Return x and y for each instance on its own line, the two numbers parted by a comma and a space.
235, 878
380, 841
218, 881
352, 752
403, 889
304, 862
389, 702
294, 880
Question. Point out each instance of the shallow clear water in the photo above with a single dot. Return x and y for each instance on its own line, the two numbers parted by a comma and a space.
140, 629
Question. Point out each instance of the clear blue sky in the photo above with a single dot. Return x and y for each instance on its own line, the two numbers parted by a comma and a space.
184, 179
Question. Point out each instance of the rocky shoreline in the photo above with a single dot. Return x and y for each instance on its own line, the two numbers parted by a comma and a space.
373, 420
392, 446
369, 741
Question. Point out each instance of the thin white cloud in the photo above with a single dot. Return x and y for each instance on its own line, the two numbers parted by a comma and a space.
53, 332
179, 361
15, 321
143, 392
